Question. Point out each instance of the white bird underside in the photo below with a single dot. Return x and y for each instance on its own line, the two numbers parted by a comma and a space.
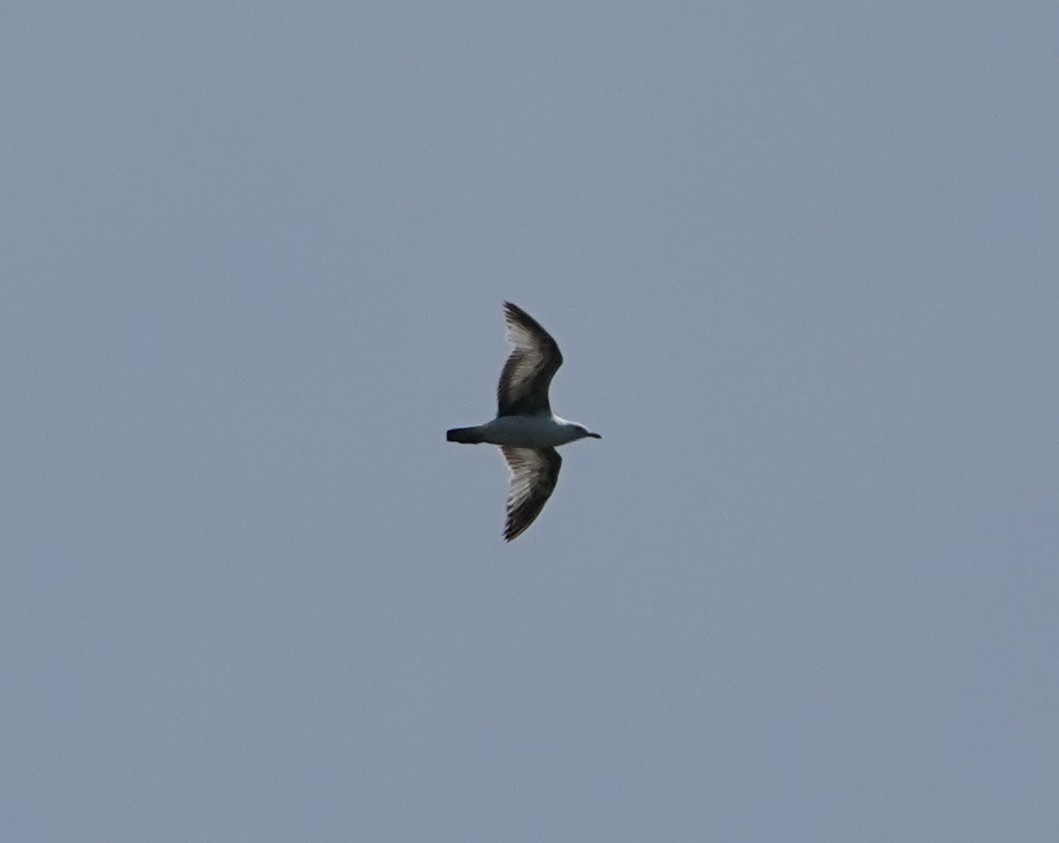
528, 431
525, 428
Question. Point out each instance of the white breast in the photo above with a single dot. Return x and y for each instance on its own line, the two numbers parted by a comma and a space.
527, 432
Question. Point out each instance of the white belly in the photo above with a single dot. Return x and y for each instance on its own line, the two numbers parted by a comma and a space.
526, 432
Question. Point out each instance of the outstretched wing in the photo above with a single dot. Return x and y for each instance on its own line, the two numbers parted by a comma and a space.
534, 473
528, 372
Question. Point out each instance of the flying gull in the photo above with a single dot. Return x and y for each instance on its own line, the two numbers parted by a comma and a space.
525, 428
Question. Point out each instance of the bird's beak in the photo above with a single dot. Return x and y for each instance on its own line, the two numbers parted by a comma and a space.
595, 436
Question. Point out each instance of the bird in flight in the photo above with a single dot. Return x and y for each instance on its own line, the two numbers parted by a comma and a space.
525, 428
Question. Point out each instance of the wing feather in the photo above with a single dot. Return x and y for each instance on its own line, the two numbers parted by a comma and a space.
528, 372
534, 473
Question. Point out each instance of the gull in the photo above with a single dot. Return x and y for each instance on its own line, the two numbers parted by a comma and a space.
525, 428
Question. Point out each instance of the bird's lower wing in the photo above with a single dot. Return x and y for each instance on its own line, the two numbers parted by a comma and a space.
534, 473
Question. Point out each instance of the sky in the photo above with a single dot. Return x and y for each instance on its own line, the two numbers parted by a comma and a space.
802, 261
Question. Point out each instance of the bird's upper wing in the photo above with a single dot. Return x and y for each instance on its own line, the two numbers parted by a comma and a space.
528, 372
534, 473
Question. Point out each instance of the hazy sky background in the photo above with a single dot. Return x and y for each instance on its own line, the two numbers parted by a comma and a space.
803, 262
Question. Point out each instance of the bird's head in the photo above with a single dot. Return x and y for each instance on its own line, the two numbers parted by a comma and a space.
585, 433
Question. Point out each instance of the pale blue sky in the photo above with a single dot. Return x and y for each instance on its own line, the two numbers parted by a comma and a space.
803, 263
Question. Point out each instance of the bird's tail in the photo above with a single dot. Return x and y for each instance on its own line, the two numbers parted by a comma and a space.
466, 435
